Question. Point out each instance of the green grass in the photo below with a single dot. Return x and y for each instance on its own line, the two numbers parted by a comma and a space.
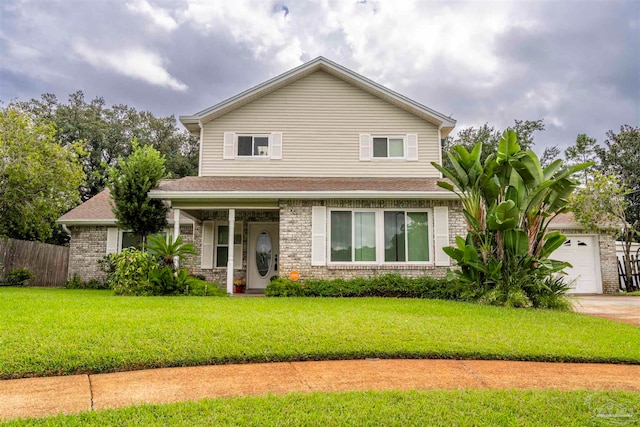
415, 408
59, 331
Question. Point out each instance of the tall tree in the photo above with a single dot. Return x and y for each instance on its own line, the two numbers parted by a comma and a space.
107, 133
602, 205
549, 155
39, 178
621, 157
130, 180
583, 151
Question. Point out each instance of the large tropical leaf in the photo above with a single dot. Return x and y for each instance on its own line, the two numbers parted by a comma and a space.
552, 241
504, 216
528, 167
507, 146
516, 242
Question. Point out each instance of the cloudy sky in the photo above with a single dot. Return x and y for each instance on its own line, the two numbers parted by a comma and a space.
575, 64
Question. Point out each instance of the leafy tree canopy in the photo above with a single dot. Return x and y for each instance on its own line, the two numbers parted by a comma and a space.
39, 178
130, 180
603, 204
621, 155
107, 132
584, 150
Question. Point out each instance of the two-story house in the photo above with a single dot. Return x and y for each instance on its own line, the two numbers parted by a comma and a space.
318, 171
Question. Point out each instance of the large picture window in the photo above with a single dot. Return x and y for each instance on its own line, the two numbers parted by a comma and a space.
380, 236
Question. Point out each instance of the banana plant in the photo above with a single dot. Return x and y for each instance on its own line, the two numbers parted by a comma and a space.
508, 202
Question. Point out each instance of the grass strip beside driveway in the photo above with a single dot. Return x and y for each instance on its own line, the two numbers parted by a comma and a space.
58, 331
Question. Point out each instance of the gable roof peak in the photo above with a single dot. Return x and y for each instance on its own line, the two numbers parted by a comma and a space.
193, 123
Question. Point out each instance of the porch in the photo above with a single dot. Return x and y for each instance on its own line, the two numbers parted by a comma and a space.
237, 245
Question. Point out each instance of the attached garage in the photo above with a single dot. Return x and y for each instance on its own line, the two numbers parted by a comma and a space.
582, 251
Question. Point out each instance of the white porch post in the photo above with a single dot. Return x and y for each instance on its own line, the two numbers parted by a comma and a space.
232, 223
176, 232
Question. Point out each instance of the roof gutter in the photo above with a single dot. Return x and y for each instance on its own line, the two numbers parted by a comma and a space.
355, 194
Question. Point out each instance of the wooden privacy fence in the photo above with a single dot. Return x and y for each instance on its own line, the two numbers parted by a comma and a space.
634, 274
49, 263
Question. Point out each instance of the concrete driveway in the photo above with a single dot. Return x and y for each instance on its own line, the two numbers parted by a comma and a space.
613, 307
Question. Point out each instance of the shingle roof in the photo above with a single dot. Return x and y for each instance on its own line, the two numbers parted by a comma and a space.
95, 209
261, 184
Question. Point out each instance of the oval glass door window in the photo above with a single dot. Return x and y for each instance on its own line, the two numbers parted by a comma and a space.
263, 253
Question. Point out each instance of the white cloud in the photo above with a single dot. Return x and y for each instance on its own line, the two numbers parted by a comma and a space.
254, 24
158, 16
134, 62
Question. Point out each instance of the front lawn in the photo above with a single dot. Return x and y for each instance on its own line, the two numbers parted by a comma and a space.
59, 331
389, 408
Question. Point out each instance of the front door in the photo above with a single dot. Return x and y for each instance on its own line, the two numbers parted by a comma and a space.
262, 257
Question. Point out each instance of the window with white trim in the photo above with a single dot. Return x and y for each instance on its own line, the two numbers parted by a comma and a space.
377, 236
389, 147
253, 146
222, 244
127, 239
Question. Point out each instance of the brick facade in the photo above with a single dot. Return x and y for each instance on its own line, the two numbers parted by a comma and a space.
88, 243
295, 238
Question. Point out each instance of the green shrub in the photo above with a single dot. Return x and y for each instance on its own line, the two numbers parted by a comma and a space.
281, 287
76, 282
141, 273
388, 285
200, 287
20, 277
96, 284
132, 269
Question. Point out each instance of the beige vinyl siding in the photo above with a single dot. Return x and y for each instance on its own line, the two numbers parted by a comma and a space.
321, 118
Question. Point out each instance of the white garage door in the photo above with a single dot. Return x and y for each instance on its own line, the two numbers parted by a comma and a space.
582, 252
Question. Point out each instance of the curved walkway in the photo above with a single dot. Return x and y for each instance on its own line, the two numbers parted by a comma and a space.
37, 397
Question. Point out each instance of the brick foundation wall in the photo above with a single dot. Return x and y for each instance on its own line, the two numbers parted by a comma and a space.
295, 238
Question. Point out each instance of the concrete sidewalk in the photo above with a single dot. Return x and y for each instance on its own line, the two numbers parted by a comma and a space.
37, 397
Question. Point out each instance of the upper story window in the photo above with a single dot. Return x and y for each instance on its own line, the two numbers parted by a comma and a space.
398, 147
388, 147
253, 145
250, 146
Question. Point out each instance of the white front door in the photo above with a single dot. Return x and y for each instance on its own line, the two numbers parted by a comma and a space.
262, 254
583, 254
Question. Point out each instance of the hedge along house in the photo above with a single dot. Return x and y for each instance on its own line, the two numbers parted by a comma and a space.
322, 172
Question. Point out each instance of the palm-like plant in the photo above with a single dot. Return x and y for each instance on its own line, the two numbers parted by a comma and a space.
168, 250
508, 203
